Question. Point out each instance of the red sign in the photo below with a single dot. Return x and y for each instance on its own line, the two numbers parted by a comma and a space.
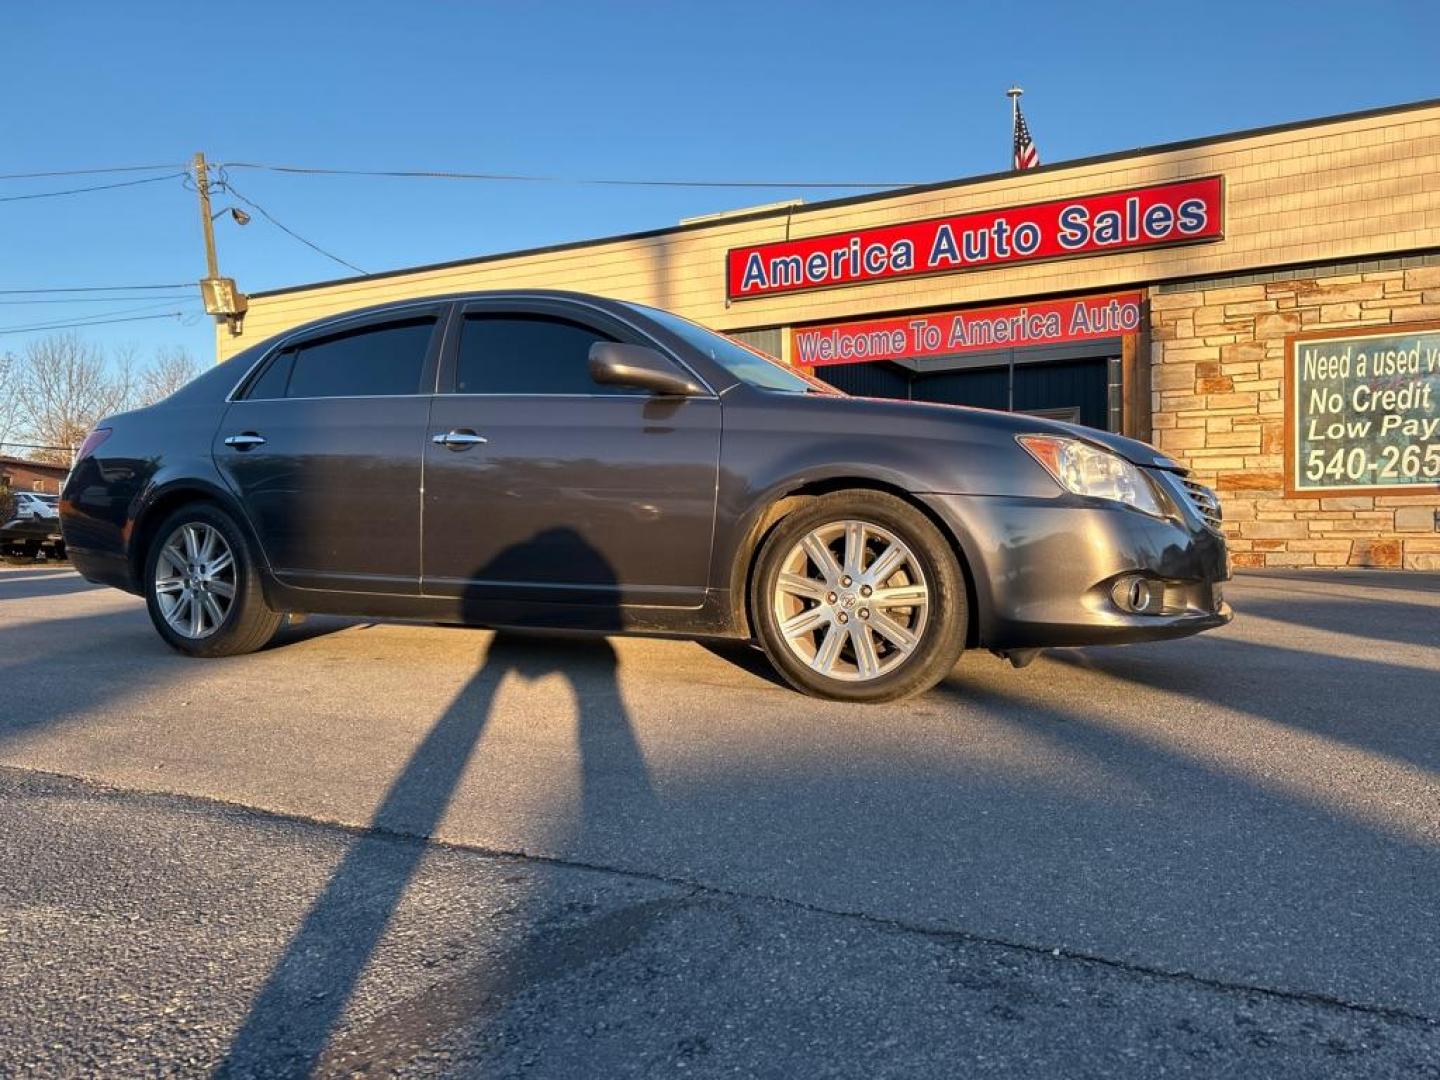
1180, 213
946, 333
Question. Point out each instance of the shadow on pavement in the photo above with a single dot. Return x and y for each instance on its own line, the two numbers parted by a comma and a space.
295, 1014
1083, 830
1400, 580
1364, 703
58, 671
1160, 848
1402, 622
101, 659
315, 626
32, 569
36, 583
747, 658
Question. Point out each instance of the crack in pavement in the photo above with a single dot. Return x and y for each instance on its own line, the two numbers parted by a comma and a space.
702, 888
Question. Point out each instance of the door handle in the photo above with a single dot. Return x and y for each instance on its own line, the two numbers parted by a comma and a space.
458, 440
245, 440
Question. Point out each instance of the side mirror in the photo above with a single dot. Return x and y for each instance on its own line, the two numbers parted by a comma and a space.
614, 364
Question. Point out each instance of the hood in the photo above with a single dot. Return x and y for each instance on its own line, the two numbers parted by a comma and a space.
1007, 423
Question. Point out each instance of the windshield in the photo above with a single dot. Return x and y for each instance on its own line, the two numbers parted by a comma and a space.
749, 365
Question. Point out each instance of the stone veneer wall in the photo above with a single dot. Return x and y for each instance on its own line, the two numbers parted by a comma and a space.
1217, 394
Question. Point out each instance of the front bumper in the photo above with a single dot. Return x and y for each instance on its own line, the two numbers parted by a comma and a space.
1045, 570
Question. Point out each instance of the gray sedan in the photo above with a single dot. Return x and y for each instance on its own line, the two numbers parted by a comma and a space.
552, 459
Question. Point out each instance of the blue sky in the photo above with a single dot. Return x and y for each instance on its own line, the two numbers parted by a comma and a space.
838, 91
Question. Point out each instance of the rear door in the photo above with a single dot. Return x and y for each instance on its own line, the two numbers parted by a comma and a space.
571, 492
324, 447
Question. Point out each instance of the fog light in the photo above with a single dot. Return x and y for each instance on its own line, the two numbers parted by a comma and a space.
1139, 595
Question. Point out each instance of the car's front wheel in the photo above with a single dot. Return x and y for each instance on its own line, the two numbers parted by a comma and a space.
859, 597
202, 587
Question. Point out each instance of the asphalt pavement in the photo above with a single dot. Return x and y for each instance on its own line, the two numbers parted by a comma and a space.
384, 849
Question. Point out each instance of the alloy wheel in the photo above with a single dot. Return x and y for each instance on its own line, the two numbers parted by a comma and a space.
851, 600
195, 580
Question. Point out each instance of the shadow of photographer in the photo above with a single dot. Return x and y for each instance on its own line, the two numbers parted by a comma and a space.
295, 1013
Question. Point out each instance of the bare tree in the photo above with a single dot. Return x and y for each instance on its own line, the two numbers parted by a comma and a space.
172, 368
125, 375
9, 399
63, 389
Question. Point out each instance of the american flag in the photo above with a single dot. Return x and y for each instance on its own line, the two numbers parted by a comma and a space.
1026, 156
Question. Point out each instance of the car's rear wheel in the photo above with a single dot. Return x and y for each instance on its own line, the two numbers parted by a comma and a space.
858, 597
202, 588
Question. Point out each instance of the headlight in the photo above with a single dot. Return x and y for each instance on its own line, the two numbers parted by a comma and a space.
1087, 470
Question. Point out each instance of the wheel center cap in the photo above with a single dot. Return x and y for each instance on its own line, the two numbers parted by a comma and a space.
847, 600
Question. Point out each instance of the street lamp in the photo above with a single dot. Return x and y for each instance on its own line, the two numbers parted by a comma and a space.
240, 216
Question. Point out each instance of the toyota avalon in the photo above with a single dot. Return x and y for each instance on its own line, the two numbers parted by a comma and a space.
534, 458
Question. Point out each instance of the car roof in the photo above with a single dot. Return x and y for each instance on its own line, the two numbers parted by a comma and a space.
621, 309
607, 303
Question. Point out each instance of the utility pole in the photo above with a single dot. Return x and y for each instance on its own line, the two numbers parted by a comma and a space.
202, 185
222, 298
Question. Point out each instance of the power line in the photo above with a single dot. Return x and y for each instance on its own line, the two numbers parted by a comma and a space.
97, 288
86, 172
102, 315
444, 174
97, 323
449, 174
224, 183
84, 325
35, 446
94, 300
96, 187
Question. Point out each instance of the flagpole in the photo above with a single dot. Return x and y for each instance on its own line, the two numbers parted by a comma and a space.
1014, 95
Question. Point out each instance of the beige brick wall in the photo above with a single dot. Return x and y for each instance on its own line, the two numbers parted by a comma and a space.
1218, 391
1335, 190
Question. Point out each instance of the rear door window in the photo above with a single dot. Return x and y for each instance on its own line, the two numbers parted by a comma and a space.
379, 360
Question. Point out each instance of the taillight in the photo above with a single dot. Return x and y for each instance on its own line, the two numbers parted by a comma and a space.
92, 443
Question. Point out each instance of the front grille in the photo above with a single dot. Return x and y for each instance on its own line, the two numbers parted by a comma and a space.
1204, 501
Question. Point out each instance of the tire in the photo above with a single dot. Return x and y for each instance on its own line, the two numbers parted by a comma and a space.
813, 623
245, 624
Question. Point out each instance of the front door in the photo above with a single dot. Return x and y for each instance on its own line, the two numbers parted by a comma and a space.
324, 448
548, 487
